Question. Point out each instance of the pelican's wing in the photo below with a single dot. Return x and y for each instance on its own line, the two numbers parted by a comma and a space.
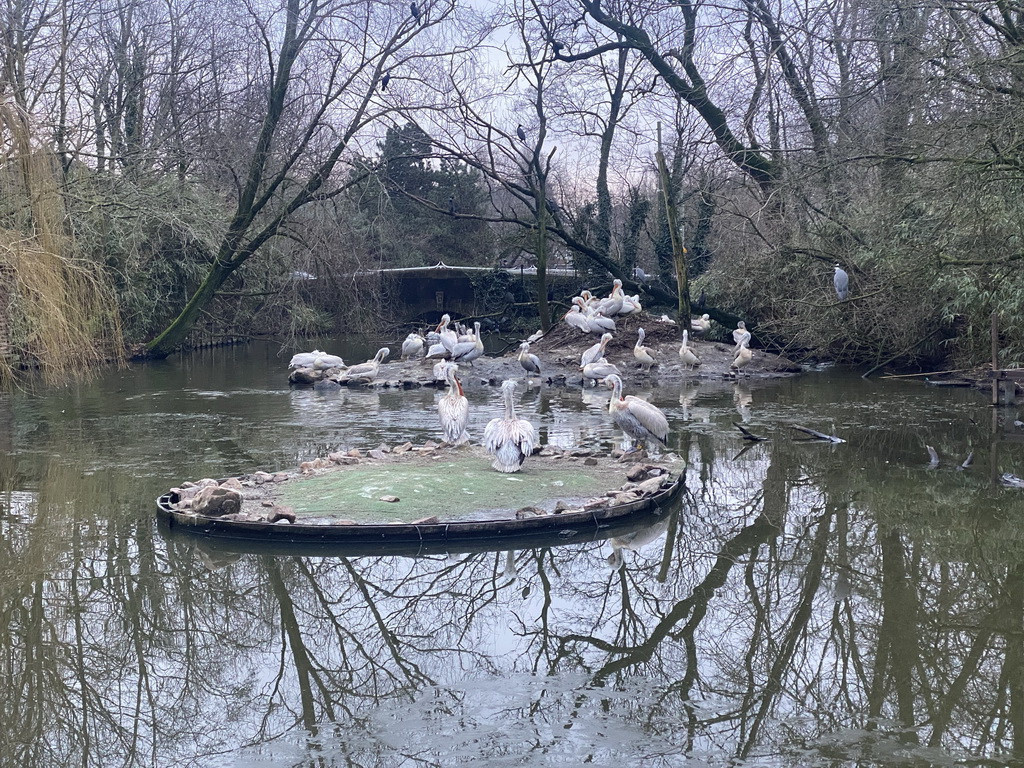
650, 416
527, 437
303, 360
494, 434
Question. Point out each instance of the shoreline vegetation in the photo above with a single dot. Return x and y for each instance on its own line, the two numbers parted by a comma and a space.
150, 205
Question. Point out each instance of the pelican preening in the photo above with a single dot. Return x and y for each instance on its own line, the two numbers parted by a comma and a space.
576, 318
509, 439
367, 372
598, 370
596, 352
644, 355
741, 335
635, 416
468, 351
446, 336
530, 362
686, 355
317, 360
413, 346
453, 408
700, 325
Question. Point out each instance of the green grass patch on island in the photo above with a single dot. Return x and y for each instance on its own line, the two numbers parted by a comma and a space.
463, 487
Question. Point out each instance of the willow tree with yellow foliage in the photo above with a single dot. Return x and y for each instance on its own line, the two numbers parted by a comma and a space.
56, 311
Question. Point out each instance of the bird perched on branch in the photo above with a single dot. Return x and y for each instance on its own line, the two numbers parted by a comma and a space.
385, 80
453, 408
636, 417
415, 11
508, 438
521, 133
841, 281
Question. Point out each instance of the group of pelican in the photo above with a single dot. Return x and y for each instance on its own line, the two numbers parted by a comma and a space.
591, 314
742, 354
317, 365
457, 345
507, 438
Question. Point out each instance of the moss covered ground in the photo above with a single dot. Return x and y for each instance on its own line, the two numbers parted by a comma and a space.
463, 486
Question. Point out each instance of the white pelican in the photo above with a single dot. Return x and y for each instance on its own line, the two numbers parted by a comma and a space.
447, 336
535, 336
612, 305
367, 372
598, 370
509, 439
644, 355
304, 359
743, 358
631, 305
413, 346
598, 323
700, 325
530, 362
468, 351
635, 416
686, 355
453, 408
596, 352
741, 335
325, 362
575, 317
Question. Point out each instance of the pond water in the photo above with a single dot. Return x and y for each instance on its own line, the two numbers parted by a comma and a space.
805, 604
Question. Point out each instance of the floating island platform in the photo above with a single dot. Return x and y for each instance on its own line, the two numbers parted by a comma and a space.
426, 499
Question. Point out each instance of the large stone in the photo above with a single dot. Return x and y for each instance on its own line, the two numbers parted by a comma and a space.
216, 501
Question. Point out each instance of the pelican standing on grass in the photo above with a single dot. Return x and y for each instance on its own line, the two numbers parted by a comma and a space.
453, 409
530, 362
635, 416
644, 355
508, 439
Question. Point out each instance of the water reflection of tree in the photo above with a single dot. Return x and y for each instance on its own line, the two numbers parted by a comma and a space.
776, 611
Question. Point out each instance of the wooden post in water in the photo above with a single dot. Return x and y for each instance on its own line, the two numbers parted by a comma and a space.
995, 359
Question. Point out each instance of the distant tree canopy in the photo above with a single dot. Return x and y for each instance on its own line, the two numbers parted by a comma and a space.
422, 210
